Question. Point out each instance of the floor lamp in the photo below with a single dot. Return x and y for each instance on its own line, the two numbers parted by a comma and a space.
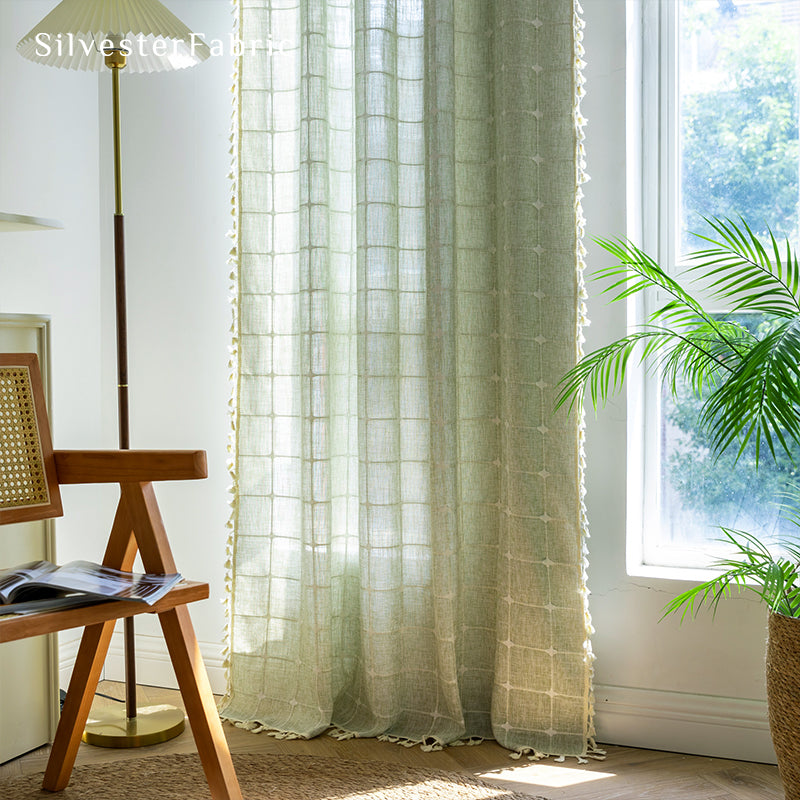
140, 36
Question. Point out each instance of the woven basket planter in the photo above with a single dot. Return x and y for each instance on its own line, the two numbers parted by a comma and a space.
783, 694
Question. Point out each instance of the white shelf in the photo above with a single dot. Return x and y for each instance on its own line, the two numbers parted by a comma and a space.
20, 222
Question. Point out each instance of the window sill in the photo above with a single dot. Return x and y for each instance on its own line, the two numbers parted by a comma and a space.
691, 574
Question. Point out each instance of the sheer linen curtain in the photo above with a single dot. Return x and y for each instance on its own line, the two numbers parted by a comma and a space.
407, 553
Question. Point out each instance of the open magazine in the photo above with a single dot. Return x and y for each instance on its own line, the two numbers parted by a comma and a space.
42, 586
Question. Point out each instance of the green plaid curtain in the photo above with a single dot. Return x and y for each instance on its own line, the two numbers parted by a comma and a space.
407, 548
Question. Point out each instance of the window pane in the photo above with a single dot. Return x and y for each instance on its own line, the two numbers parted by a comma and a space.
739, 113
737, 156
700, 494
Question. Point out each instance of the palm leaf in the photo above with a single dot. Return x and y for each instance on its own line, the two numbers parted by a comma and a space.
696, 347
697, 357
705, 356
761, 400
745, 276
751, 383
603, 372
752, 568
637, 272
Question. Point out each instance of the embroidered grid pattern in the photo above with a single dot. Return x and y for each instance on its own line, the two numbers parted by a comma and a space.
22, 476
407, 556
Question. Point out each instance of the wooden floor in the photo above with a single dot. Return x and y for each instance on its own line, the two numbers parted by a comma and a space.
625, 774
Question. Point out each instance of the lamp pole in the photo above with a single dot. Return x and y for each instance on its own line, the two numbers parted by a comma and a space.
116, 61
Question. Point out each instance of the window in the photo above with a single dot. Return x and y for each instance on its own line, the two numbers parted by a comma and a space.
720, 138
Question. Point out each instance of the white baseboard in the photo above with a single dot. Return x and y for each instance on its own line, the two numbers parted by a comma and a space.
724, 727
153, 667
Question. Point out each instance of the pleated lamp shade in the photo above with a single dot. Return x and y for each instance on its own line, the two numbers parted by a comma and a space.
71, 36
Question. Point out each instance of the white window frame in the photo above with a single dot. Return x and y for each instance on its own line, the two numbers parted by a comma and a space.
654, 223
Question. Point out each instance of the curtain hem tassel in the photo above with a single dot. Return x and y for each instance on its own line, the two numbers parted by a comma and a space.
257, 727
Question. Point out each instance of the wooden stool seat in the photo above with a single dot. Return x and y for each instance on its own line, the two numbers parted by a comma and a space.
30, 474
25, 626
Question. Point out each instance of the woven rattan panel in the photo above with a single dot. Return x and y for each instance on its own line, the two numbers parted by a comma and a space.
22, 475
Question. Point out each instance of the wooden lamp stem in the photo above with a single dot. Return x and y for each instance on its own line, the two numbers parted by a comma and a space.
122, 331
116, 62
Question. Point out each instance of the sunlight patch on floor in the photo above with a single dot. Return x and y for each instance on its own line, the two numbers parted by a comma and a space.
547, 775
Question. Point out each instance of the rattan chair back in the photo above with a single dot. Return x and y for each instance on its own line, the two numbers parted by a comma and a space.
28, 481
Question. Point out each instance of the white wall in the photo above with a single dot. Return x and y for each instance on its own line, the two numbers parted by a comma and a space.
56, 161
49, 167
176, 199
697, 687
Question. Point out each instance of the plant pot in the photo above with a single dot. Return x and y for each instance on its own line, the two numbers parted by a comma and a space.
783, 695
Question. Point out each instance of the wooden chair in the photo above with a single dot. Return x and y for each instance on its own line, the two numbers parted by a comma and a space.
30, 474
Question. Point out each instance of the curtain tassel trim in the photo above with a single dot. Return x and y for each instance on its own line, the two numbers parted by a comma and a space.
233, 373
427, 745
531, 754
257, 727
342, 735
581, 177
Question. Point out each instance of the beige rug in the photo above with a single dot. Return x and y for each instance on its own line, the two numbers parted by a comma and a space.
262, 777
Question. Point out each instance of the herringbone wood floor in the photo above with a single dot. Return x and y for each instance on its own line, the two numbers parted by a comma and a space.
625, 774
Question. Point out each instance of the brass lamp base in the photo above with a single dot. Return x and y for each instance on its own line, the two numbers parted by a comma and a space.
151, 725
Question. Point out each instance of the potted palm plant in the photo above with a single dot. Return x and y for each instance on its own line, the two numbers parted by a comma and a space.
746, 380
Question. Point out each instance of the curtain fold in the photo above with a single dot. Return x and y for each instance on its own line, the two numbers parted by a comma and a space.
407, 556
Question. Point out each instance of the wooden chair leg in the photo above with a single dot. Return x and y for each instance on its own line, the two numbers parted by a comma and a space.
200, 705
120, 553
201, 709
77, 704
